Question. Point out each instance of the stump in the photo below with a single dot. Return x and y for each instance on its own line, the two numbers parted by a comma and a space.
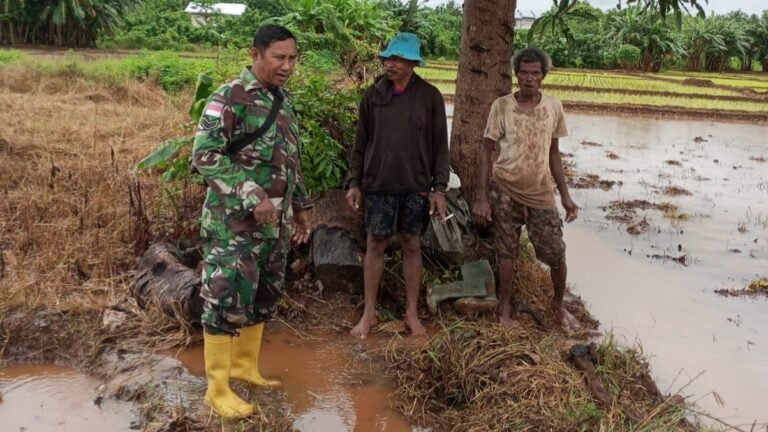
337, 243
166, 278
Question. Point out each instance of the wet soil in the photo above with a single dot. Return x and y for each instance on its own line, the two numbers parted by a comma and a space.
666, 112
328, 378
655, 283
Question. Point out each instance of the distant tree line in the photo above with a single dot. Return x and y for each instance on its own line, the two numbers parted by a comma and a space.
75, 23
349, 32
637, 37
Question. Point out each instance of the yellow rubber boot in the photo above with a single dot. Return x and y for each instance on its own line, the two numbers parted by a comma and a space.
218, 363
245, 357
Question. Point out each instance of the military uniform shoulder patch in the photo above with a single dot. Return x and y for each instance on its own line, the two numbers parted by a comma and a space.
214, 109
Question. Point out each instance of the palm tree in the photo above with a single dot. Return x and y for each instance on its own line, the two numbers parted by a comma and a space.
557, 19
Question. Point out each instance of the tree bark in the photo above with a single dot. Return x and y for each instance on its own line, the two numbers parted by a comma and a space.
485, 74
166, 278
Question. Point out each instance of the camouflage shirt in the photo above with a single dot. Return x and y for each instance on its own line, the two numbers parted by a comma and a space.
267, 169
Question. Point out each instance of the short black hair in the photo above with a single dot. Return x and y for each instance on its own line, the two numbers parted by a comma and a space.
531, 55
270, 33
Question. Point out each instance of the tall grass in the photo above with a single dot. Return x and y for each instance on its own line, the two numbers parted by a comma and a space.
64, 218
172, 72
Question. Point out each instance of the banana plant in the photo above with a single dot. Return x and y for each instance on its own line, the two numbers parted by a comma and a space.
165, 157
557, 19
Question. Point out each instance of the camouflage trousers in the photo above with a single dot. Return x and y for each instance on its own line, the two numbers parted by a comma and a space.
243, 277
544, 226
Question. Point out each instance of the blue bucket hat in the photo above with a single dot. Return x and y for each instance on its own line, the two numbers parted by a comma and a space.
406, 46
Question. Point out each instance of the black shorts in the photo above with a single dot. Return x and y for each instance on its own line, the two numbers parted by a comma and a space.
387, 214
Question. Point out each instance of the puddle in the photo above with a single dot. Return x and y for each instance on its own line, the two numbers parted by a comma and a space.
53, 398
671, 309
326, 391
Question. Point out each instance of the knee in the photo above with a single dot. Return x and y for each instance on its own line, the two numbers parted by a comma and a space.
558, 264
376, 246
411, 245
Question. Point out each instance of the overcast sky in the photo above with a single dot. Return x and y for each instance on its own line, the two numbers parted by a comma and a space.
526, 7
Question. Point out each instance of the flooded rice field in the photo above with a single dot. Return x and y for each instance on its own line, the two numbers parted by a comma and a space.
671, 212
53, 398
675, 211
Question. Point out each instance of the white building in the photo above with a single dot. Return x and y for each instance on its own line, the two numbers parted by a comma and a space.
523, 22
201, 13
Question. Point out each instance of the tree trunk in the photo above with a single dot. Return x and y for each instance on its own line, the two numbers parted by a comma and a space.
485, 74
764, 63
746, 63
167, 278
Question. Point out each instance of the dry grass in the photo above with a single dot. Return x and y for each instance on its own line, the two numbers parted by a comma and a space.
65, 150
479, 376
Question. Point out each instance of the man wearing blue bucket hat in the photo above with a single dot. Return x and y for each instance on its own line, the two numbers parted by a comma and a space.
400, 163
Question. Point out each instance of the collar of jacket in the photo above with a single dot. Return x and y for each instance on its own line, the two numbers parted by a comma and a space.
249, 81
384, 87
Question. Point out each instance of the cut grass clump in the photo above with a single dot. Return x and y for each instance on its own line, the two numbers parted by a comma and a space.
479, 376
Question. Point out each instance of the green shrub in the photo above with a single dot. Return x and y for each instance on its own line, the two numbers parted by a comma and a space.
170, 71
327, 120
10, 56
628, 56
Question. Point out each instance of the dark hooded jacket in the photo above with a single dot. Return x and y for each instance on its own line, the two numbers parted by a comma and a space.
402, 141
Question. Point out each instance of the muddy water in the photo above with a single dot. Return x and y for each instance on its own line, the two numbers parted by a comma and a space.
326, 390
669, 308
52, 398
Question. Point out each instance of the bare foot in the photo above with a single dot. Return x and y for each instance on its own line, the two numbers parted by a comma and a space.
509, 322
569, 322
414, 324
363, 327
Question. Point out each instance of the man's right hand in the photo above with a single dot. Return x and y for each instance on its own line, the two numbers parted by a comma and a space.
354, 198
481, 211
265, 212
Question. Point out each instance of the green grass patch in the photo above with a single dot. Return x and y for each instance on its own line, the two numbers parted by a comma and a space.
171, 71
692, 101
436, 74
603, 81
755, 82
695, 102
624, 82
10, 56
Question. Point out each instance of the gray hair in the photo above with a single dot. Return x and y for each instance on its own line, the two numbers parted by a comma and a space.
531, 55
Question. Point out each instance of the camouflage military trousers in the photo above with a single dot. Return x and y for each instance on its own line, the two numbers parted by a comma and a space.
243, 278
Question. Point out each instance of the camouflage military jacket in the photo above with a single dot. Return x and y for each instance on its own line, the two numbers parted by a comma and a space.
268, 169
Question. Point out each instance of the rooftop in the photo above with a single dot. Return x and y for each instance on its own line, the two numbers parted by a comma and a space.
222, 8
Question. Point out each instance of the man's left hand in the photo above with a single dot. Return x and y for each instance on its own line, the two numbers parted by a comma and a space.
437, 206
302, 227
571, 209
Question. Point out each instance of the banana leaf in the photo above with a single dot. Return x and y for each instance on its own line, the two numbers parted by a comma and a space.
203, 89
164, 153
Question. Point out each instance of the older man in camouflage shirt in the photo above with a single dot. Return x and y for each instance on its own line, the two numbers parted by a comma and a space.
254, 197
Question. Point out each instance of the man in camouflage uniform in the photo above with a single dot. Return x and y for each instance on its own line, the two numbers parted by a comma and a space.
254, 197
